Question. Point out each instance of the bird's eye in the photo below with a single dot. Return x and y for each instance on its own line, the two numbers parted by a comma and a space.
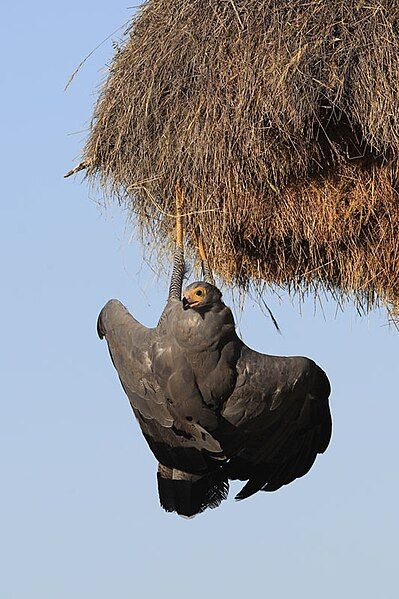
199, 292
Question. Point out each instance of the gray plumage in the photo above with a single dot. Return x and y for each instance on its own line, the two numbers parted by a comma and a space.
212, 409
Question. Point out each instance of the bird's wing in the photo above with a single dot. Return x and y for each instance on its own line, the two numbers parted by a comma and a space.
176, 443
281, 406
129, 345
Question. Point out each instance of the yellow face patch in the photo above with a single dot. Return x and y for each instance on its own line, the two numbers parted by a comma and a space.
199, 292
195, 296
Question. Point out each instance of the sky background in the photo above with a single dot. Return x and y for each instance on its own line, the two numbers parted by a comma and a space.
78, 506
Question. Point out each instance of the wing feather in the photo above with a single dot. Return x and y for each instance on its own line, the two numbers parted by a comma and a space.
129, 345
176, 442
281, 404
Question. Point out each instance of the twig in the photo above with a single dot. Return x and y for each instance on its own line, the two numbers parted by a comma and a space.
82, 62
237, 14
75, 170
169, 214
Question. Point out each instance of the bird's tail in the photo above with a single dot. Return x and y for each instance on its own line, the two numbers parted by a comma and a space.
190, 494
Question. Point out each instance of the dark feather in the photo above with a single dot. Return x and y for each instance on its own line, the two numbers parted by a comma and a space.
211, 408
188, 495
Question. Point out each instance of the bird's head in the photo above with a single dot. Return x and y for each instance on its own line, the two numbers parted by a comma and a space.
201, 297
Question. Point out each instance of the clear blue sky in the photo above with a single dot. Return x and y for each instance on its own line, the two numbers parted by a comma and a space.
79, 508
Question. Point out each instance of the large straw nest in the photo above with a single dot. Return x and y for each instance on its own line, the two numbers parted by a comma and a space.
279, 120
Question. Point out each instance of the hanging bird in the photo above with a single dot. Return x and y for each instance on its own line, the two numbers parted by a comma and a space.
211, 408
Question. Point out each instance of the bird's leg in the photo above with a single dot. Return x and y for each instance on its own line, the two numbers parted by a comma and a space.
176, 281
206, 270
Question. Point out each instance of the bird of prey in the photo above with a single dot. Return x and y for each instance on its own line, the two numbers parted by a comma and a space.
210, 408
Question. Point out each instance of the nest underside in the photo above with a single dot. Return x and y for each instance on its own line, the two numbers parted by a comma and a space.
279, 121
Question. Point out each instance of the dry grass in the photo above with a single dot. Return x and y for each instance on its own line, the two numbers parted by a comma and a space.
280, 121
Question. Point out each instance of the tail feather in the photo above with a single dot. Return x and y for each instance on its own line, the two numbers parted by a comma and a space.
189, 494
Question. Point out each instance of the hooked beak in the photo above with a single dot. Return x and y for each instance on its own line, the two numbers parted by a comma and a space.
188, 301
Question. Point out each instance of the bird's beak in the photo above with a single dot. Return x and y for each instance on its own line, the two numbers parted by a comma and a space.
189, 301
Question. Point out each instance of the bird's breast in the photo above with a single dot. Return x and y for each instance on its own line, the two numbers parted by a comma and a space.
196, 332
